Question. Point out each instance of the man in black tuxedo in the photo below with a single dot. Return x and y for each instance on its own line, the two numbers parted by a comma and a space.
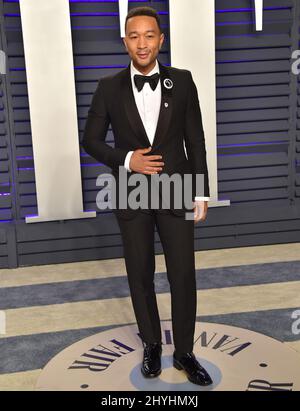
150, 103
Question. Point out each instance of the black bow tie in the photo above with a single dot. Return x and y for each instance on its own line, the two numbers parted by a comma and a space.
140, 80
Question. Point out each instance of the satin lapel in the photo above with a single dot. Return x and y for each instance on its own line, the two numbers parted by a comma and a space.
131, 109
132, 112
166, 107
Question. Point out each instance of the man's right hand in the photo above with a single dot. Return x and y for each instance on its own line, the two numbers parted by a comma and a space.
145, 164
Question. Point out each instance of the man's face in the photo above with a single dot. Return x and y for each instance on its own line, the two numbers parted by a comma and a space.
143, 40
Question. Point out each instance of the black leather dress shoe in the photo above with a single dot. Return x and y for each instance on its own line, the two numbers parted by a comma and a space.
151, 366
194, 371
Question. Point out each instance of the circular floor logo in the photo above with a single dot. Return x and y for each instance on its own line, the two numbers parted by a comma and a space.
237, 360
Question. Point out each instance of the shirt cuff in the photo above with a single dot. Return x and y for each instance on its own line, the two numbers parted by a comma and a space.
127, 160
202, 198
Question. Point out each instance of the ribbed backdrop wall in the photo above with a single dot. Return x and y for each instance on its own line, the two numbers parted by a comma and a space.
258, 125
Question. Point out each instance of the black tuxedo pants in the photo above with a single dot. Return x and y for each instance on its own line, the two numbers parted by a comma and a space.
177, 239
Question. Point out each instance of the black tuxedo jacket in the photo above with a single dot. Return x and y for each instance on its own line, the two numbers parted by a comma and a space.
180, 119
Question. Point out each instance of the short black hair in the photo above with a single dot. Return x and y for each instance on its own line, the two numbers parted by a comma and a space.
144, 11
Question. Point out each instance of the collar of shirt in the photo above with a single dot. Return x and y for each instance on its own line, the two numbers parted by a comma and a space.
134, 71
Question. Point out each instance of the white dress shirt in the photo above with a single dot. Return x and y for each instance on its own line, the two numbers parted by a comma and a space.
148, 102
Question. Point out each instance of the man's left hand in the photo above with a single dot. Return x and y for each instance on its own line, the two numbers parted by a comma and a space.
200, 210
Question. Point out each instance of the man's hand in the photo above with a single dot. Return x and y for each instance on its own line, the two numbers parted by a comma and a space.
145, 164
200, 210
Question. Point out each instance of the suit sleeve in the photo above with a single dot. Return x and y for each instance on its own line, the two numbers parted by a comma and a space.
97, 123
194, 138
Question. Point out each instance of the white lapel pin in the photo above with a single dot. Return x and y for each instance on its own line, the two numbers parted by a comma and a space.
168, 83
